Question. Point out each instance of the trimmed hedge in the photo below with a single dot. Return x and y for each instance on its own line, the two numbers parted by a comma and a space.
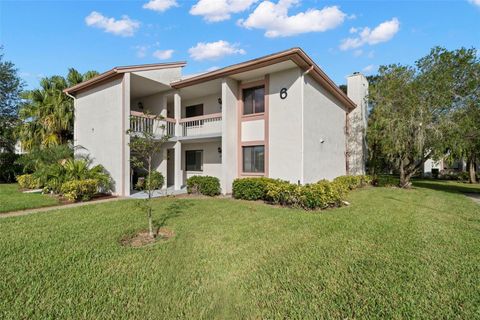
251, 188
28, 181
353, 182
321, 195
80, 189
206, 185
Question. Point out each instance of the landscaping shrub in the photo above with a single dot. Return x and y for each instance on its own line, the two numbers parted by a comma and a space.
80, 189
156, 180
53, 176
283, 193
28, 181
251, 188
206, 185
353, 182
321, 195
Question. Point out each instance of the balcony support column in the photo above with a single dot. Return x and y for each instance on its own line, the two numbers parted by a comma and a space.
178, 178
177, 104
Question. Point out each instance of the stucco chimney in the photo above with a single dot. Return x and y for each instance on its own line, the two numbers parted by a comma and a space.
357, 90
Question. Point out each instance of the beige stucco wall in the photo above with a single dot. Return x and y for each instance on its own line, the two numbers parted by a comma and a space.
98, 129
285, 126
212, 159
323, 119
210, 103
155, 104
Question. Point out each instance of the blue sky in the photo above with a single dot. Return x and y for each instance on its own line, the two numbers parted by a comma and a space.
47, 37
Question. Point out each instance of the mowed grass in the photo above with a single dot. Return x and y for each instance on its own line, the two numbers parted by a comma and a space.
391, 254
12, 199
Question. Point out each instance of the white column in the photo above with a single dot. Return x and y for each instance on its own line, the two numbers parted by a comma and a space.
163, 111
177, 103
229, 134
178, 181
126, 174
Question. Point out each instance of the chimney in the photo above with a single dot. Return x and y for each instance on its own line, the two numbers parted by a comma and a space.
357, 91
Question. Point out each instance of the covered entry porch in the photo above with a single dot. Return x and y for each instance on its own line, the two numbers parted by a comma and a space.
180, 159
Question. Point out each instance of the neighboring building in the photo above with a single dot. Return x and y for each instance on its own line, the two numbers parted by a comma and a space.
434, 167
278, 116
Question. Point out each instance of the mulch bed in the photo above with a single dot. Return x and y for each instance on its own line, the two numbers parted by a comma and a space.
142, 238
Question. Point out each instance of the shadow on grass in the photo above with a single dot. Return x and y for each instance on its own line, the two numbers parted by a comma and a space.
173, 210
448, 186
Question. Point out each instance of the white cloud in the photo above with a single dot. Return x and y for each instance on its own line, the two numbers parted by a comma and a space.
475, 2
124, 27
163, 54
357, 53
160, 5
219, 10
274, 18
369, 68
381, 33
214, 50
141, 51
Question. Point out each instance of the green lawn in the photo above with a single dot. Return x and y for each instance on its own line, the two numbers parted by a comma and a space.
391, 254
11, 199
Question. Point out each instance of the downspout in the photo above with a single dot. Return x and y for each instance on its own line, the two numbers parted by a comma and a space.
347, 137
302, 162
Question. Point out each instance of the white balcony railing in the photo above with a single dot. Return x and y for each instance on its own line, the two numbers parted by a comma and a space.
209, 124
140, 122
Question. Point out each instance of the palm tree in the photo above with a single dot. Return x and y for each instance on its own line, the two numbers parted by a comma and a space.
47, 113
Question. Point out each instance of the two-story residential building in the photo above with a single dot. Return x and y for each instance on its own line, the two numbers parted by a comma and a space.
278, 116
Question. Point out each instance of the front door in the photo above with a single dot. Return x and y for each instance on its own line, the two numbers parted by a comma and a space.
170, 167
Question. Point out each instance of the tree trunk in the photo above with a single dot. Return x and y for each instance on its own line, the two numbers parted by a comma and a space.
405, 175
150, 222
402, 175
472, 174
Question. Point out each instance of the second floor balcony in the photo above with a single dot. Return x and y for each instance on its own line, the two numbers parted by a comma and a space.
200, 126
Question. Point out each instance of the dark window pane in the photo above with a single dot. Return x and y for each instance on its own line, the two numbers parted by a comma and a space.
194, 111
247, 159
248, 95
254, 159
193, 160
259, 100
259, 156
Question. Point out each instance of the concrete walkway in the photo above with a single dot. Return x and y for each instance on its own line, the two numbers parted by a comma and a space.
158, 193
474, 196
59, 207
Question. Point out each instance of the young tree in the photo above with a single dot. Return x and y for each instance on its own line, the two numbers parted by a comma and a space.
10, 87
144, 147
